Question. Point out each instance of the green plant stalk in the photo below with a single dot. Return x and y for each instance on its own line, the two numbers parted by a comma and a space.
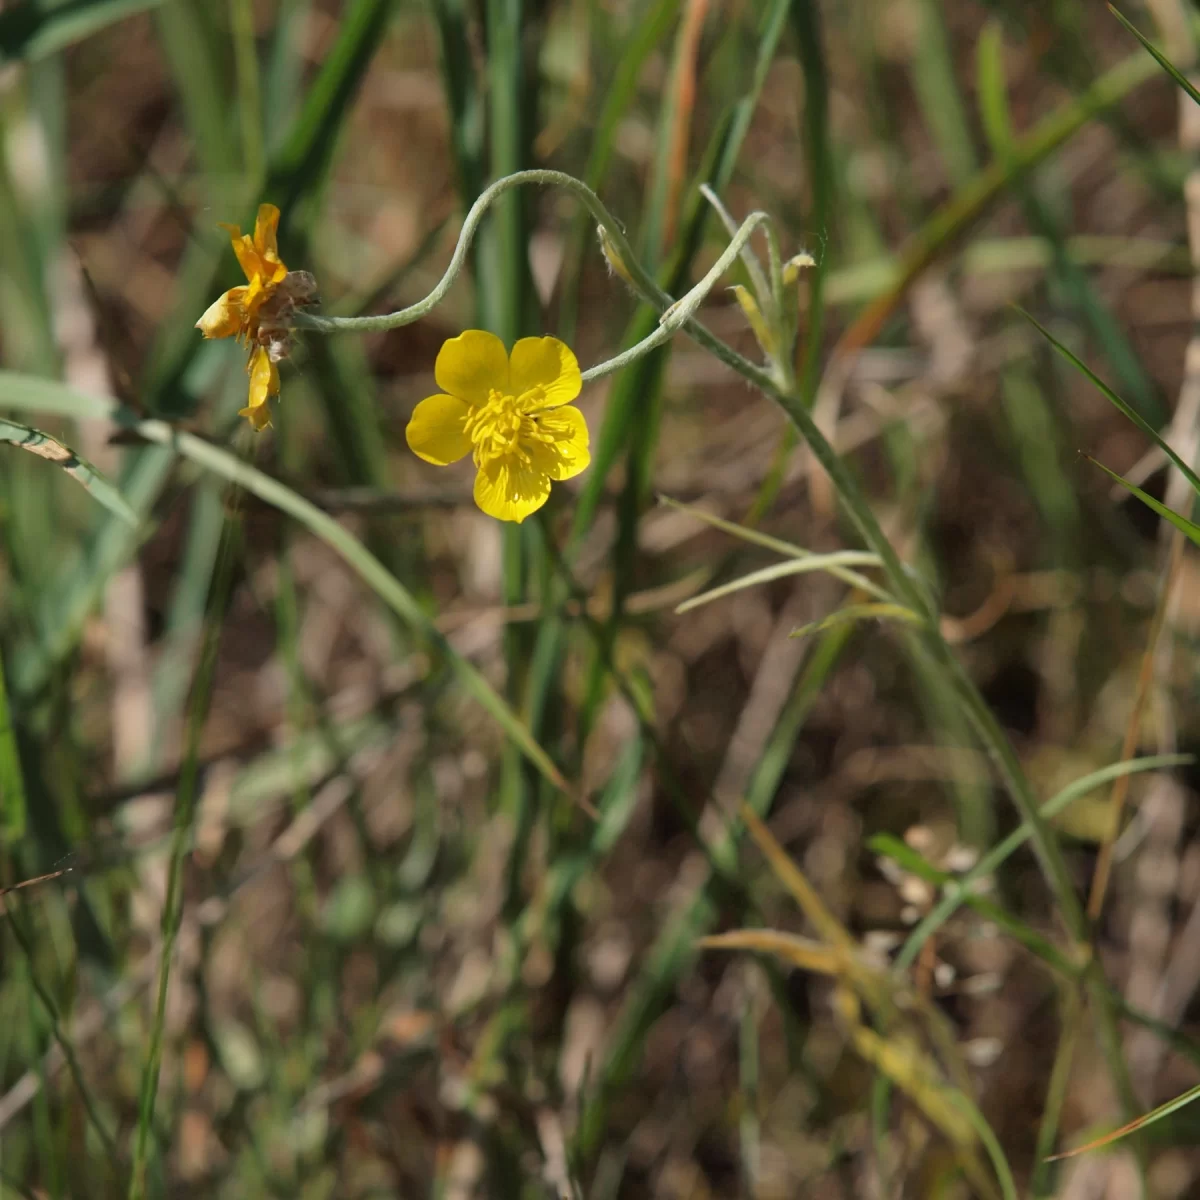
245, 57
1056, 1089
185, 806
649, 30
14, 807
806, 20
16, 922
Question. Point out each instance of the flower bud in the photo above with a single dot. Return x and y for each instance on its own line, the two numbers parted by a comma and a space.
612, 256
791, 268
762, 331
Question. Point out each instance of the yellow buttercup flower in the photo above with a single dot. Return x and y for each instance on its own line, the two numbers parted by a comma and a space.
257, 313
511, 413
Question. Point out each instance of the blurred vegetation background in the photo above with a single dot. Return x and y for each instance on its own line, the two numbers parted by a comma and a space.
250, 682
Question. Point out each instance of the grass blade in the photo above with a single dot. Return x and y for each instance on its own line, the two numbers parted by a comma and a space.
853, 613
1163, 1110
1002, 851
13, 806
63, 457
970, 201
1189, 529
1171, 69
32, 31
816, 562
1116, 401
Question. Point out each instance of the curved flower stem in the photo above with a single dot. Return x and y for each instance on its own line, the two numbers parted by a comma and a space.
422, 308
679, 315
643, 282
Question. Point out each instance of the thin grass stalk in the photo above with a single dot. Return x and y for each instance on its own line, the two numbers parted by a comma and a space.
13, 910
1133, 729
806, 20
245, 57
1056, 1089
969, 202
14, 808
185, 806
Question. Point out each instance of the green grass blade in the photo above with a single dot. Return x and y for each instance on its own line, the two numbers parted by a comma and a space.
852, 614
1171, 69
1188, 528
753, 536
938, 93
63, 457
1002, 851
1116, 401
646, 33
806, 21
369, 568
816, 562
31, 31
1163, 1110
464, 101
905, 856
13, 806
303, 157
970, 201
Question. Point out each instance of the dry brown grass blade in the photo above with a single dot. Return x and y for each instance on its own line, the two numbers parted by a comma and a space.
797, 951
685, 104
829, 928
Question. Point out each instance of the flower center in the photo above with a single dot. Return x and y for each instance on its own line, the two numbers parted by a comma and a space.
500, 426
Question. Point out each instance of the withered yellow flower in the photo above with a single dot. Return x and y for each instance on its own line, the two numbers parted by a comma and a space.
512, 413
257, 313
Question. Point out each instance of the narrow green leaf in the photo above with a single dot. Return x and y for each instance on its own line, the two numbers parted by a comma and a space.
854, 613
806, 21
1158, 56
1163, 1110
13, 806
915, 864
1181, 523
815, 562
753, 536
63, 457
1116, 402
1004, 850
991, 84
31, 31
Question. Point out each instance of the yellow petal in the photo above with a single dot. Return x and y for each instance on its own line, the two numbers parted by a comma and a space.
471, 365
568, 454
259, 417
256, 266
264, 382
548, 368
435, 431
224, 316
266, 224
247, 256
509, 489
